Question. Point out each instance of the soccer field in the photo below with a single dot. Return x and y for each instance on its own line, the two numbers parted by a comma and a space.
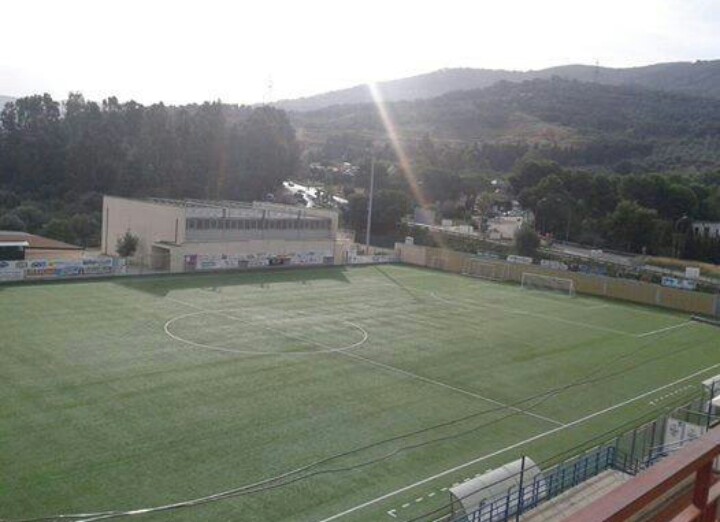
325, 394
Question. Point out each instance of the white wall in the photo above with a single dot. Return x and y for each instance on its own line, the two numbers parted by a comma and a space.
151, 222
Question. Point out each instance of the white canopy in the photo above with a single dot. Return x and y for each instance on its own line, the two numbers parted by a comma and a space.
708, 383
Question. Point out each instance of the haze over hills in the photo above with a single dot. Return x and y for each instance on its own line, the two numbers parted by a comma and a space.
701, 78
4, 100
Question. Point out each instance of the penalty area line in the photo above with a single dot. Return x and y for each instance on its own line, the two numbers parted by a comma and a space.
511, 447
531, 314
668, 328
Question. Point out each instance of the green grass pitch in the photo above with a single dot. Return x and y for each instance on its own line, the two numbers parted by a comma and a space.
133, 393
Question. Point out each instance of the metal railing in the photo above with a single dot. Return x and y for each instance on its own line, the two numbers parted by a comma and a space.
632, 452
656, 492
550, 484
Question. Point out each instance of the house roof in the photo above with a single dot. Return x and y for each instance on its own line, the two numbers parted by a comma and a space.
10, 238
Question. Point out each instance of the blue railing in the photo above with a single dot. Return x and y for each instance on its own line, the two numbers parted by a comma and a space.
550, 484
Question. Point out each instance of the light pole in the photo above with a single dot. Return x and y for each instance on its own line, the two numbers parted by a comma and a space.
370, 201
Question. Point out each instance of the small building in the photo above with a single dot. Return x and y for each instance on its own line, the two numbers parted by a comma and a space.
707, 229
424, 216
504, 227
21, 246
187, 235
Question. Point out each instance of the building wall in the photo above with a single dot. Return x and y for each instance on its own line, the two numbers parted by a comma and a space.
241, 229
504, 227
232, 248
151, 222
707, 229
54, 254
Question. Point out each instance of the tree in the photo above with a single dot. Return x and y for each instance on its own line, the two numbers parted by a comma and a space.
633, 227
552, 204
59, 228
440, 185
527, 241
530, 172
83, 227
127, 244
32, 216
11, 221
389, 207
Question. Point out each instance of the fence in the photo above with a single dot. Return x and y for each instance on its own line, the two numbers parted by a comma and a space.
158, 263
591, 284
682, 488
44, 269
544, 487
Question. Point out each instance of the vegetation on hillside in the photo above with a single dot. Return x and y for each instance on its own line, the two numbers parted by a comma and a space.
623, 129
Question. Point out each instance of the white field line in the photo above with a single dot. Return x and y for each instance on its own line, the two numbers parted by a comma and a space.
596, 307
341, 351
673, 327
420, 377
225, 313
542, 435
560, 319
449, 387
531, 314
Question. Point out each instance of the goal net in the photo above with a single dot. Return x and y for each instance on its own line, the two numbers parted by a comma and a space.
561, 285
485, 270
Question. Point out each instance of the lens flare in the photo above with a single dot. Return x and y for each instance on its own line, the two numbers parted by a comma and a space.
406, 168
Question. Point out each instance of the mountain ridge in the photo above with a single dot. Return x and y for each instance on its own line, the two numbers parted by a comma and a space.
699, 78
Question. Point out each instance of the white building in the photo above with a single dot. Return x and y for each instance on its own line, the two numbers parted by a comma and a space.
186, 235
504, 227
707, 229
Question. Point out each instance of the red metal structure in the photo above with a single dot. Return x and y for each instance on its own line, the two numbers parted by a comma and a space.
682, 488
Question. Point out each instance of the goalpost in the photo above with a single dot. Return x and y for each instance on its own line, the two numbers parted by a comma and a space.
531, 281
485, 270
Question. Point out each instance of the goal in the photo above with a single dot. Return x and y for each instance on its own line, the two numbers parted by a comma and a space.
561, 285
485, 270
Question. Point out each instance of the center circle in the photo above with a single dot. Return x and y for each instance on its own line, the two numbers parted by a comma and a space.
276, 333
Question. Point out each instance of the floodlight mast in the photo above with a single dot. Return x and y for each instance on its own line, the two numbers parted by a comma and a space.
370, 200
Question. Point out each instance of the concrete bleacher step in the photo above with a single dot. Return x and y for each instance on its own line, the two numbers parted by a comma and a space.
576, 498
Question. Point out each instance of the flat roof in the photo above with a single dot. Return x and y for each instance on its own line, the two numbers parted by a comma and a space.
229, 204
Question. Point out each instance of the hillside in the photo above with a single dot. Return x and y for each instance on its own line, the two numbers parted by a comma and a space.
663, 130
483, 113
700, 78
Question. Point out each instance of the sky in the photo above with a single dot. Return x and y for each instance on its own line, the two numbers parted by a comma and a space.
252, 51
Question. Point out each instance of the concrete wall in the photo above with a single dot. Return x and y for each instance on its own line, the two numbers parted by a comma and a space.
614, 288
270, 246
151, 222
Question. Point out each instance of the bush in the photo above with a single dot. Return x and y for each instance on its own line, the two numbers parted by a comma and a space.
127, 245
527, 241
